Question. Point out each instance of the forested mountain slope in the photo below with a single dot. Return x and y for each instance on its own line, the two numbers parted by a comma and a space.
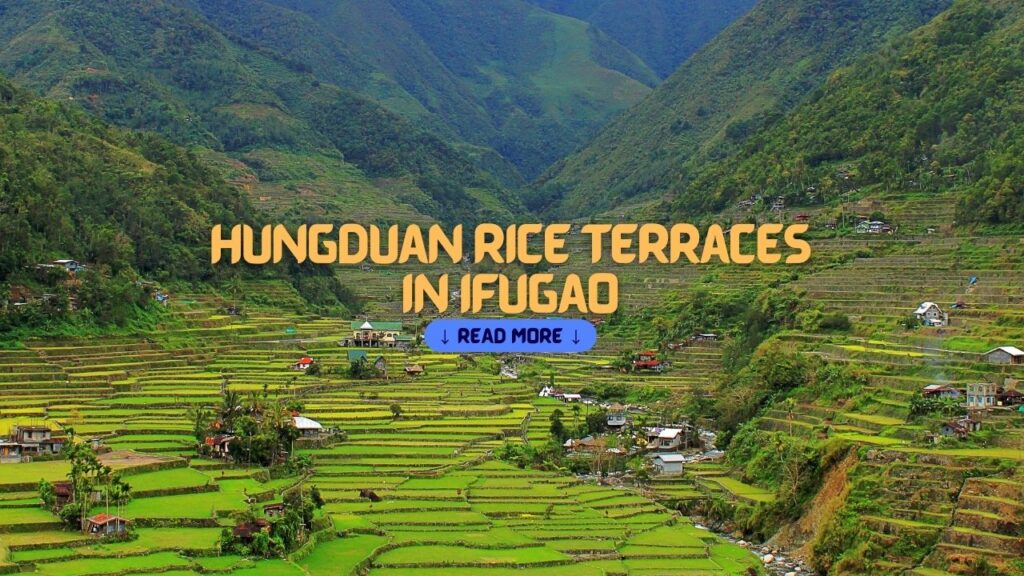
74, 187
760, 67
162, 66
664, 33
940, 109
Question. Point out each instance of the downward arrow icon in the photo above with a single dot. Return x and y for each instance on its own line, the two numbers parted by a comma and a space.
575, 336
444, 337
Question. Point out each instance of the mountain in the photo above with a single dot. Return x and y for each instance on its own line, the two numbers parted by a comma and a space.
921, 115
504, 74
73, 186
296, 142
664, 33
760, 67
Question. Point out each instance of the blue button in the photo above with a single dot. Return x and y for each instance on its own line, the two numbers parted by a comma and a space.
548, 336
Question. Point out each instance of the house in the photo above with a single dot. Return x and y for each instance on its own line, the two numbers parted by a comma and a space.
509, 371
802, 217
940, 391
307, 427
567, 398
616, 417
664, 438
1005, 355
71, 266
381, 365
368, 334
36, 440
10, 452
356, 356
1009, 397
960, 428
705, 337
549, 392
106, 525
220, 445
586, 444
669, 463
273, 510
930, 314
414, 370
303, 364
648, 361
981, 395
246, 530
61, 493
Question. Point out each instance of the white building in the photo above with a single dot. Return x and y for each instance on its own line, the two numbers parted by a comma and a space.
1005, 355
308, 427
669, 463
930, 314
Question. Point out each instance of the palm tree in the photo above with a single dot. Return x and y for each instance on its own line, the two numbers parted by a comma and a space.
200, 418
231, 405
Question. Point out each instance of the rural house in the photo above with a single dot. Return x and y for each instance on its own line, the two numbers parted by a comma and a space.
246, 530
669, 463
1009, 397
929, 314
959, 428
664, 438
616, 416
273, 510
356, 356
940, 391
414, 370
368, 334
307, 427
36, 440
381, 364
106, 525
1005, 355
648, 361
303, 363
981, 395
10, 452
220, 445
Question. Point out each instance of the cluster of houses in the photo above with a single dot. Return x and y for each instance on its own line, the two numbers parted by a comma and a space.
27, 441
219, 445
367, 334
873, 227
978, 396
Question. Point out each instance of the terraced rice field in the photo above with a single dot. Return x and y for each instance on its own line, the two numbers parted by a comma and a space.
446, 506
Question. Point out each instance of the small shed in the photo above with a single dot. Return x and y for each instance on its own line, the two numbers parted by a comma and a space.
669, 463
273, 510
414, 370
307, 426
106, 525
1005, 355
940, 391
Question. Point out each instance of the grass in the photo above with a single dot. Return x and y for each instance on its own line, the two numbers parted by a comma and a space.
340, 556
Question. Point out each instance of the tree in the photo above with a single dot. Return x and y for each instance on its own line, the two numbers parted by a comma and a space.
396, 411
200, 418
47, 495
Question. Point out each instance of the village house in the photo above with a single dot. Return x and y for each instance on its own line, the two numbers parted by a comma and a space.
307, 427
10, 452
929, 314
36, 440
356, 356
366, 334
569, 398
381, 364
1009, 397
246, 530
664, 438
414, 370
549, 392
303, 363
616, 417
669, 463
648, 361
959, 428
940, 391
273, 510
981, 395
102, 525
1005, 355
220, 445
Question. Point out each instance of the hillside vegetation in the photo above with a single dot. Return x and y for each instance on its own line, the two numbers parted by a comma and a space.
938, 110
760, 67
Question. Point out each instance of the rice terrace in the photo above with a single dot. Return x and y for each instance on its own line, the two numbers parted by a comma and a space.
245, 331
